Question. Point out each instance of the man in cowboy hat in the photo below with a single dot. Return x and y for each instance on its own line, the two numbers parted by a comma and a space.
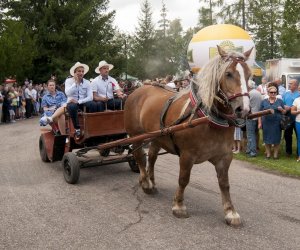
104, 87
79, 93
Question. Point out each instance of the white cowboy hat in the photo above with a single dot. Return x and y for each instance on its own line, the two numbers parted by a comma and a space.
77, 65
102, 64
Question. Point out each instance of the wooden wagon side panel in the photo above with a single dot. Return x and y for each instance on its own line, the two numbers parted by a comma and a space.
103, 123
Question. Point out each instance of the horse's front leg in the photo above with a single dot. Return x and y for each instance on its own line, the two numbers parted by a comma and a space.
140, 157
222, 165
186, 164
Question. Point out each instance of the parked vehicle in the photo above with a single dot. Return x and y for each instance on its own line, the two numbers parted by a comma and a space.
284, 68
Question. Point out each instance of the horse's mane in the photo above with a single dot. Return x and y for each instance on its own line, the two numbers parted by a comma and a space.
210, 75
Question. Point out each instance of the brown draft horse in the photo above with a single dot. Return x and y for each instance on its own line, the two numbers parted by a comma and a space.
220, 91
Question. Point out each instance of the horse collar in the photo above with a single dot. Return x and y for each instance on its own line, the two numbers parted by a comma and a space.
202, 111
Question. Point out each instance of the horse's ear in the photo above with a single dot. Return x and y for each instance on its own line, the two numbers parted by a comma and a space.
222, 53
248, 53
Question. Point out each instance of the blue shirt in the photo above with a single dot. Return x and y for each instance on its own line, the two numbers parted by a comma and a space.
82, 93
289, 97
56, 100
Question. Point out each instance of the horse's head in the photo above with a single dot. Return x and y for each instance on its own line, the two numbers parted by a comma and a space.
233, 87
222, 85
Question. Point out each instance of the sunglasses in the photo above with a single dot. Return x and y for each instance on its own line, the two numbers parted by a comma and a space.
272, 92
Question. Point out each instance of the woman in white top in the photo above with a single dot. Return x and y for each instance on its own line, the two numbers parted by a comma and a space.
295, 110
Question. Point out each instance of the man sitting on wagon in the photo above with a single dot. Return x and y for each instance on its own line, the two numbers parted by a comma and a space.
53, 104
104, 87
79, 93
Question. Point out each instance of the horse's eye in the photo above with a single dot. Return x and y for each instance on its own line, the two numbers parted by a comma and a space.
228, 74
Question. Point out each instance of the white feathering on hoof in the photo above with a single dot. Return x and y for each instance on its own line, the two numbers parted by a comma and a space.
233, 218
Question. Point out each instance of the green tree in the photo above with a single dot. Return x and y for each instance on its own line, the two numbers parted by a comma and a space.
163, 23
66, 31
143, 63
17, 50
265, 26
177, 45
161, 45
206, 12
290, 32
236, 13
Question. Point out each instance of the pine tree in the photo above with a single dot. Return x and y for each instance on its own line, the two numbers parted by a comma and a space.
206, 13
236, 13
163, 22
143, 64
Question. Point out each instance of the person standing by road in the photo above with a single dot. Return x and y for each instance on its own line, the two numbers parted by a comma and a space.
262, 88
29, 99
1, 102
104, 87
252, 124
271, 123
79, 93
288, 99
295, 110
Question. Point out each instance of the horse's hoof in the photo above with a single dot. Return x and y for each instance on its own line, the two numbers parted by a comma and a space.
150, 190
233, 219
180, 212
148, 187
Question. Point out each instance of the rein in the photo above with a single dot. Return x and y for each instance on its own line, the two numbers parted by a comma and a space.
225, 100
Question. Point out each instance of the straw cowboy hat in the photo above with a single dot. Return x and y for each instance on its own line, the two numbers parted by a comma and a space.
102, 64
77, 65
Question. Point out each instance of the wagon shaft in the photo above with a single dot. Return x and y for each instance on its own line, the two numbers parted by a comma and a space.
166, 131
154, 134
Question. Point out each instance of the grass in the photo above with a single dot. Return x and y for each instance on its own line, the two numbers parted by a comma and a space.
284, 165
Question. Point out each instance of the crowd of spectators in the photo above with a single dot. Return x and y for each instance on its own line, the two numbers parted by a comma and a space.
272, 95
19, 102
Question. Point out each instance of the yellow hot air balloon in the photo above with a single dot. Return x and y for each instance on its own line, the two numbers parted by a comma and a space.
203, 45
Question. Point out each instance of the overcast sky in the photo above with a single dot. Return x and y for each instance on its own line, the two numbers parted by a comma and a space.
128, 11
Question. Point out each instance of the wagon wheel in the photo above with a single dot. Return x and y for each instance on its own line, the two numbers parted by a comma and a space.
132, 163
71, 168
43, 152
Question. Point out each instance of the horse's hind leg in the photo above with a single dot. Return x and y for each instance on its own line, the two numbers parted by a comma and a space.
152, 157
179, 209
232, 218
140, 157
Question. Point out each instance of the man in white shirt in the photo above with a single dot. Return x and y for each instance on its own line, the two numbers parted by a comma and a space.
29, 101
169, 82
35, 102
1, 102
79, 93
104, 87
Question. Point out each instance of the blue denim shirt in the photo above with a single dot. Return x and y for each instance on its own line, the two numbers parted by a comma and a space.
54, 100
